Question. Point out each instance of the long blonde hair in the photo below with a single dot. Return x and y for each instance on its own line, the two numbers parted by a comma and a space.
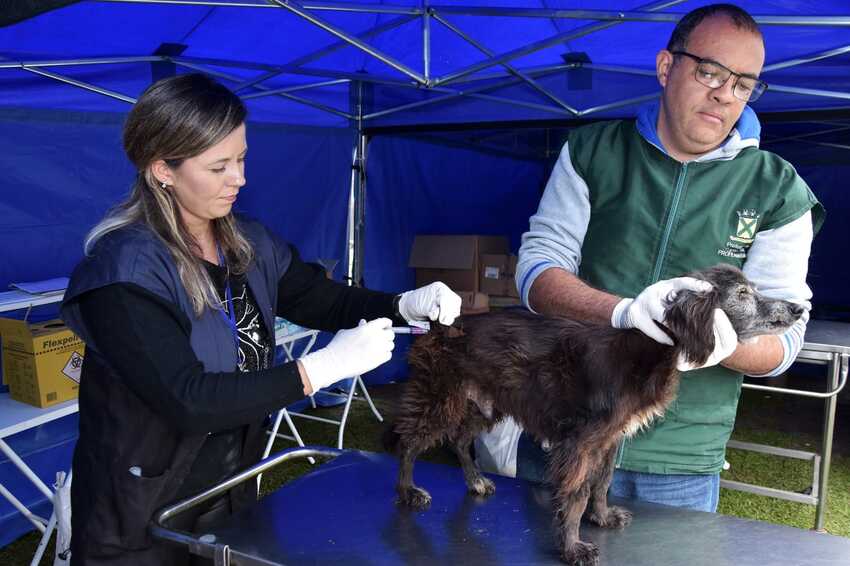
175, 119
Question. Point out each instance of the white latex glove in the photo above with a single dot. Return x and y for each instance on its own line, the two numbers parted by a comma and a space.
646, 309
431, 302
350, 352
725, 342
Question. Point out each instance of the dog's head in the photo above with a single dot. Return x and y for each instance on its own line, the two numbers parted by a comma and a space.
690, 315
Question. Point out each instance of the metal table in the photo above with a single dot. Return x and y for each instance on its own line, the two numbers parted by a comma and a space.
14, 300
343, 512
827, 343
17, 417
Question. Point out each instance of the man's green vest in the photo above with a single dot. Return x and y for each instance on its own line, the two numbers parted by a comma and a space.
654, 218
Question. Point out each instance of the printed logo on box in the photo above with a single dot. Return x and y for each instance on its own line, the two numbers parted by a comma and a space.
73, 367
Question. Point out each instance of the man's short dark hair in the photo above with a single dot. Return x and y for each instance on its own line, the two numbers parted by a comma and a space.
682, 31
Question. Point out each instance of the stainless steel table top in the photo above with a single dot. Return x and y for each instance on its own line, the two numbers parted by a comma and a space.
343, 512
828, 336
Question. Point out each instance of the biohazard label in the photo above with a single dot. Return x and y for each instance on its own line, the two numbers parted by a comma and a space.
73, 367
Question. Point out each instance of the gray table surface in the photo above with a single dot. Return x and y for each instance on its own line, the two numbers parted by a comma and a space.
343, 512
828, 336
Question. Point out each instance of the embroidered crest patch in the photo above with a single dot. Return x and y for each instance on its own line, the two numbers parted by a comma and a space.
747, 223
745, 233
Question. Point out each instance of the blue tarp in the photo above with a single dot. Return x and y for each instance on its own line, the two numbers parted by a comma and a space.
245, 42
60, 144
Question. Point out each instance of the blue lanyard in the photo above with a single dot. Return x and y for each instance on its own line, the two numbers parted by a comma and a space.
230, 316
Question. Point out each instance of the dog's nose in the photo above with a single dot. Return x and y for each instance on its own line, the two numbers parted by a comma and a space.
797, 310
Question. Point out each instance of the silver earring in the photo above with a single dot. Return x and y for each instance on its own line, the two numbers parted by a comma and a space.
164, 186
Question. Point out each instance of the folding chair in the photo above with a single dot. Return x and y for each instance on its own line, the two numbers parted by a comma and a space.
286, 335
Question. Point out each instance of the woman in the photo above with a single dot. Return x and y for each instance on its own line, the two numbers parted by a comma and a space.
175, 300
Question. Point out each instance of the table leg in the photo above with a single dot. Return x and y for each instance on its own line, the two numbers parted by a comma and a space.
37, 521
836, 365
46, 527
45, 538
26, 470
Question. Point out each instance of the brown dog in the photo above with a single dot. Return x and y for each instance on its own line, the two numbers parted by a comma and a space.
581, 386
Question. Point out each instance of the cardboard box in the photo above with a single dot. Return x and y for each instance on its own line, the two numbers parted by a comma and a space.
454, 260
501, 302
473, 303
497, 275
41, 362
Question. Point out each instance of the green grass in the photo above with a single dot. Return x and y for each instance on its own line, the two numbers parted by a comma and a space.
362, 432
761, 419
787, 474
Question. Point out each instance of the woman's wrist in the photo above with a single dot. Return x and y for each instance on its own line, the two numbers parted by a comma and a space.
308, 388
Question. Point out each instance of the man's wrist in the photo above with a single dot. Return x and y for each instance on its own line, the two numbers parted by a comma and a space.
619, 314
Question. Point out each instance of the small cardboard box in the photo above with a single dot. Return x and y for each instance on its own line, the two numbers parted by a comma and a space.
497, 275
41, 362
501, 302
454, 260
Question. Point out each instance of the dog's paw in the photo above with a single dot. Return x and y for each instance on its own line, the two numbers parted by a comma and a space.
414, 497
482, 486
617, 518
581, 554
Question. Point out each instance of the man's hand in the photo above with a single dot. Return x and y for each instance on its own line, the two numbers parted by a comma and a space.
432, 302
725, 343
649, 306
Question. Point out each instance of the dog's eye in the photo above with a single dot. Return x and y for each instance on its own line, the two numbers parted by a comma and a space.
743, 291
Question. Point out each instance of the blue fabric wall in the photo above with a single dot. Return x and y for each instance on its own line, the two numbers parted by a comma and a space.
63, 170
826, 170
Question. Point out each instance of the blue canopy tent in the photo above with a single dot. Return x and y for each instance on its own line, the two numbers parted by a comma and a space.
487, 87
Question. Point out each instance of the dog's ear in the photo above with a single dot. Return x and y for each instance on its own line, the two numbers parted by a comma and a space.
690, 318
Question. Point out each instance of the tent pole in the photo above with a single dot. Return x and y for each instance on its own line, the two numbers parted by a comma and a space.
214, 73
640, 14
810, 91
511, 69
540, 45
298, 10
807, 59
324, 51
801, 137
83, 85
357, 194
70, 62
426, 41
646, 14
318, 6
621, 103
293, 88
471, 93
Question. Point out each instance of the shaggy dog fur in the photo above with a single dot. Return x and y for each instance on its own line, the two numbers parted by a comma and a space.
581, 386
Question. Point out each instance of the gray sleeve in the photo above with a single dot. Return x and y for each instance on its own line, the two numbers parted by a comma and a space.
557, 230
777, 264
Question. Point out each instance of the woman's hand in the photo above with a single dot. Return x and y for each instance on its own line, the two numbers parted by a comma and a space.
432, 302
351, 352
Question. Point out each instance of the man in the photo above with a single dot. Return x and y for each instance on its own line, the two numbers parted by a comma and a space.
632, 205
